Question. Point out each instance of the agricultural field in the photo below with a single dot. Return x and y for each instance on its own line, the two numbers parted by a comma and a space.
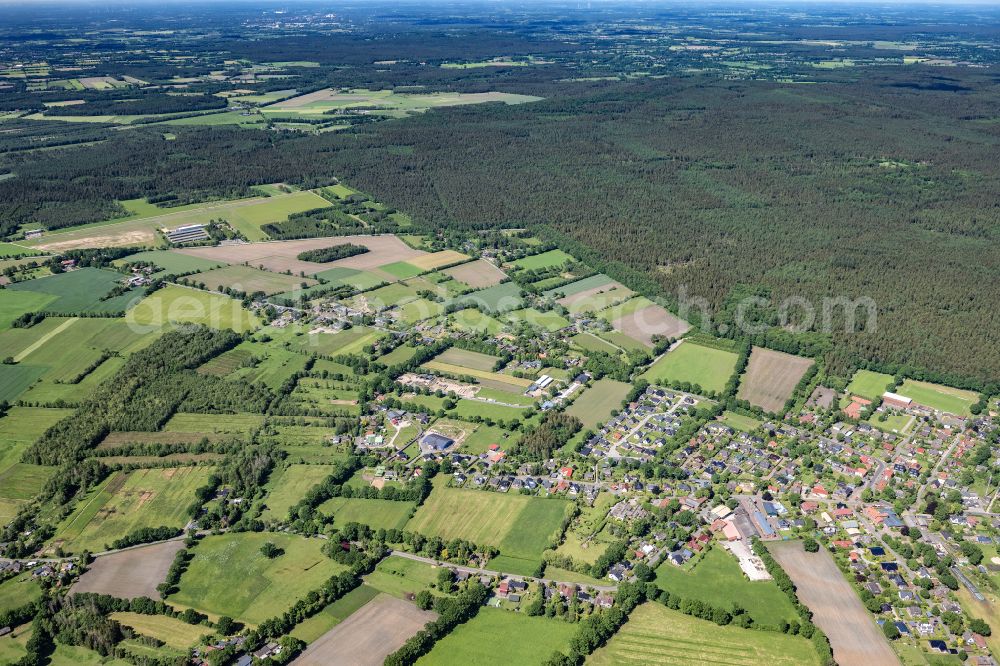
209, 424
20, 427
273, 365
938, 397
249, 280
433, 260
771, 377
521, 527
312, 628
716, 579
140, 229
486, 639
419, 310
81, 290
589, 342
836, 608
368, 636
550, 259
350, 341
648, 322
174, 633
402, 577
468, 359
281, 256
499, 298
587, 284
477, 274
16, 303
385, 101
376, 513
591, 294
287, 486
131, 573
400, 354
869, 384
596, 403
388, 296
127, 501
14, 250
13, 646
175, 305
694, 364
358, 279
550, 321
20, 482
171, 261
654, 634
230, 576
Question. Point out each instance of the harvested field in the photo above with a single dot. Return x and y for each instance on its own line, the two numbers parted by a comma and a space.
770, 378
368, 636
651, 320
130, 573
595, 298
837, 610
433, 260
279, 256
478, 274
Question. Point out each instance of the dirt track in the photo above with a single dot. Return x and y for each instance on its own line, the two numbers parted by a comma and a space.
130, 573
367, 637
837, 610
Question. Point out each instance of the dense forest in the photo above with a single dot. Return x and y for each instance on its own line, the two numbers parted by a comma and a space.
883, 189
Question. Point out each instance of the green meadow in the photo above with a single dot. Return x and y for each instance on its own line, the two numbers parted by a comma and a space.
707, 367
230, 576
